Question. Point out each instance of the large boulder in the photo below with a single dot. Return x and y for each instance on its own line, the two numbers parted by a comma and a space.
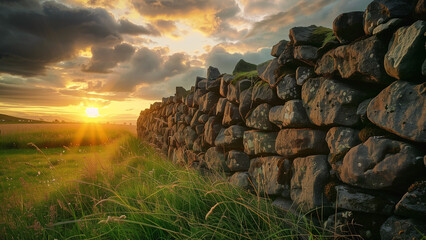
287, 88
259, 118
382, 163
406, 48
310, 175
259, 143
241, 180
300, 142
292, 114
225, 80
303, 73
215, 159
197, 95
243, 66
246, 102
413, 203
268, 74
220, 107
212, 129
400, 109
278, 48
231, 115
190, 135
286, 57
305, 53
232, 93
208, 101
231, 138
263, 93
329, 102
312, 35
380, 11
341, 139
271, 175
420, 10
359, 61
237, 161
213, 85
400, 229
212, 73
349, 26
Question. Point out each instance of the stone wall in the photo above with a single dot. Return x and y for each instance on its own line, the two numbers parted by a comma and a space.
336, 120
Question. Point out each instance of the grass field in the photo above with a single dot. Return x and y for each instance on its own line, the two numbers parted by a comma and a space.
124, 190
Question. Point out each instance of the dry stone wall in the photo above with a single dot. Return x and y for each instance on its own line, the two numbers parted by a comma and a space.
337, 120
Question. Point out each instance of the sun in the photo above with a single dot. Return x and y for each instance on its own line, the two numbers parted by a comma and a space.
92, 112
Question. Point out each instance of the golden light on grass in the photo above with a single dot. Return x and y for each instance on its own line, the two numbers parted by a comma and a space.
92, 112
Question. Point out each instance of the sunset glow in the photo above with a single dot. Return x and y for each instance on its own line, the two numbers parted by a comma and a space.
92, 112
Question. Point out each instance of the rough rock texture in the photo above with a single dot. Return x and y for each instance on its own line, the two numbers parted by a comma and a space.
259, 118
212, 73
329, 102
211, 130
291, 114
387, 29
400, 109
256, 142
278, 48
413, 203
310, 175
224, 82
359, 61
380, 11
305, 53
265, 173
405, 50
381, 163
245, 102
287, 88
208, 101
231, 115
349, 26
340, 139
400, 229
240, 179
232, 93
243, 66
286, 56
234, 137
215, 159
300, 142
268, 74
303, 74
312, 35
263, 93
220, 107
237, 161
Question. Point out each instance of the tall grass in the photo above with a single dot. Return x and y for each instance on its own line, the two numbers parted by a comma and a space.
136, 194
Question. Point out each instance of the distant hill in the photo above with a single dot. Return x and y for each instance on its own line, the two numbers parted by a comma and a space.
10, 119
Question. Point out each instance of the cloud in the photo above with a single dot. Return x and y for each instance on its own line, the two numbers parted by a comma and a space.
149, 66
36, 35
104, 59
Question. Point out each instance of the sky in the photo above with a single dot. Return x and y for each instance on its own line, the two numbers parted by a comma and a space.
58, 58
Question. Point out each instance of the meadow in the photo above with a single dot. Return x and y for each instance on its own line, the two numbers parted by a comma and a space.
123, 189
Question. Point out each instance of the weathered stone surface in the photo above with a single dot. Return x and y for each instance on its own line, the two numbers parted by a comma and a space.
213, 85
198, 79
199, 129
197, 95
388, 28
306, 54
240, 179
303, 74
243, 66
405, 50
287, 88
349, 26
256, 142
212, 73
340, 139
190, 135
400, 109
359, 200
231, 115
259, 118
268, 75
203, 118
207, 101
300, 142
263, 93
195, 118
361, 111
380, 11
234, 137
211, 130
266, 175
400, 229
420, 10
291, 114
224, 82
310, 175
329, 102
197, 146
278, 48
245, 102
202, 84
381, 163
237, 161
189, 100
413, 203
243, 85
361, 60
286, 205
232, 93
220, 139
311, 35
220, 107
286, 56
215, 159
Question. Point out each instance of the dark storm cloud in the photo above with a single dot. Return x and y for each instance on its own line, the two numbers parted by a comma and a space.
104, 59
149, 66
35, 35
